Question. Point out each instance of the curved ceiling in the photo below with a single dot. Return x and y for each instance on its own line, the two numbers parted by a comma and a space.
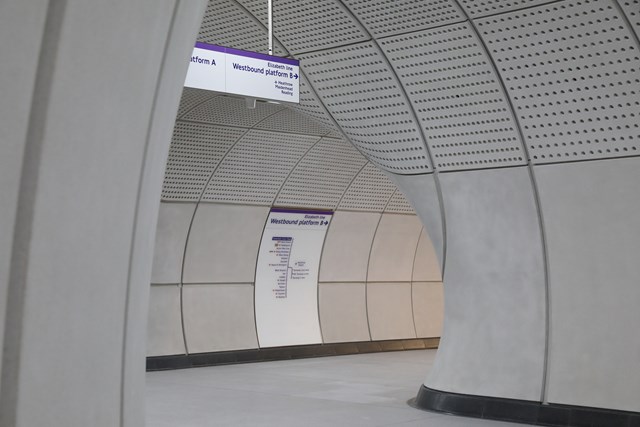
456, 85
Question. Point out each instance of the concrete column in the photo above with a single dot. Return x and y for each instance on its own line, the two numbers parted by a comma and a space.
89, 95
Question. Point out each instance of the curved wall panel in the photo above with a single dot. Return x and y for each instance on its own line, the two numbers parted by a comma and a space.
579, 99
164, 327
426, 267
191, 98
26, 24
398, 204
428, 308
390, 311
631, 9
226, 23
388, 17
457, 98
320, 178
343, 312
324, 24
476, 9
223, 244
311, 106
94, 146
219, 317
422, 192
497, 85
369, 191
230, 111
593, 236
493, 342
192, 158
345, 255
394, 248
174, 220
255, 168
361, 93
288, 120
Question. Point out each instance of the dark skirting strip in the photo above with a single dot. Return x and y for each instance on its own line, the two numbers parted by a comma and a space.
181, 361
521, 411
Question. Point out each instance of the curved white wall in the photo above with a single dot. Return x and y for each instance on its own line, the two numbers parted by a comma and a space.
224, 173
494, 103
593, 240
87, 140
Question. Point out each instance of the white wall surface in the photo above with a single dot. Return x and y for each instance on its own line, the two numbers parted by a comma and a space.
93, 150
390, 311
593, 230
493, 342
173, 224
394, 248
18, 70
164, 331
428, 308
219, 317
346, 248
343, 312
426, 267
223, 243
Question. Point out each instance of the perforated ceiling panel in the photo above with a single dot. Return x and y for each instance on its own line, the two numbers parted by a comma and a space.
226, 110
457, 97
388, 17
322, 176
477, 8
256, 167
399, 204
309, 25
631, 8
573, 71
289, 120
195, 151
311, 105
192, 97
226, 23
370, 191
364, 97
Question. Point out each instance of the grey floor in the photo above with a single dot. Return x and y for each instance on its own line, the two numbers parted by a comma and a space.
357, 390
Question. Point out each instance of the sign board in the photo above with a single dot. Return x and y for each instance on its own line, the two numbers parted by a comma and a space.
223, 69
286, 291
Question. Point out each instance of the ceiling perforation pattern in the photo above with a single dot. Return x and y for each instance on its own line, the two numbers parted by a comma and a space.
573, 71
309, 25
311, 105
457, 97
362, 94
192, 97
399, 204
254, 170
388, 17
478, 8
194, 153
226, 110
631, 8
288, 120
225, 23
370, 191
322, 176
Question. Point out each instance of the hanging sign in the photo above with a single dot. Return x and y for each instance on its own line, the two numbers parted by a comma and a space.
240, 72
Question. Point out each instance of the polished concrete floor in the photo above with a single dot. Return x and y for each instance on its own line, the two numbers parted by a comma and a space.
357, 390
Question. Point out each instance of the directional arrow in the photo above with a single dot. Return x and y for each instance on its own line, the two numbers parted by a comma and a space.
295, 76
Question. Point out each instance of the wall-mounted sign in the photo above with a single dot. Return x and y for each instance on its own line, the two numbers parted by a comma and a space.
286, 292
223, 69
